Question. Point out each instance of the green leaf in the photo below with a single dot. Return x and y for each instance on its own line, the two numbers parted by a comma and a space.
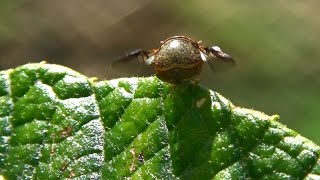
58, 124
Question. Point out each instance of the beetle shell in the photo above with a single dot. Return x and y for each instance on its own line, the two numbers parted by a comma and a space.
177, 60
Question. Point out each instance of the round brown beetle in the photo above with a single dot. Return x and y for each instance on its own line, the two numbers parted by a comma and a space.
179, 59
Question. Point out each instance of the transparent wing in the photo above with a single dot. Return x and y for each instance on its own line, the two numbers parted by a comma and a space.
217, 59
136, 63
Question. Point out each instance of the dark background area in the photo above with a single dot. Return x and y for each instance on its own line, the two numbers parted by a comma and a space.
275, 43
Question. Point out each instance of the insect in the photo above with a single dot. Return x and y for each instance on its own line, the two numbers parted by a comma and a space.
179, 59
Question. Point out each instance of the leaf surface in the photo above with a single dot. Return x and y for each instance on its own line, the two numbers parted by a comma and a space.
57, 124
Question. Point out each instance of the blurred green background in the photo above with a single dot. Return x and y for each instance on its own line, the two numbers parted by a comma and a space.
275, 43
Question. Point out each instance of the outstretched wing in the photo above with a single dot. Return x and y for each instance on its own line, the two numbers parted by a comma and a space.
218, 60
135, 63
